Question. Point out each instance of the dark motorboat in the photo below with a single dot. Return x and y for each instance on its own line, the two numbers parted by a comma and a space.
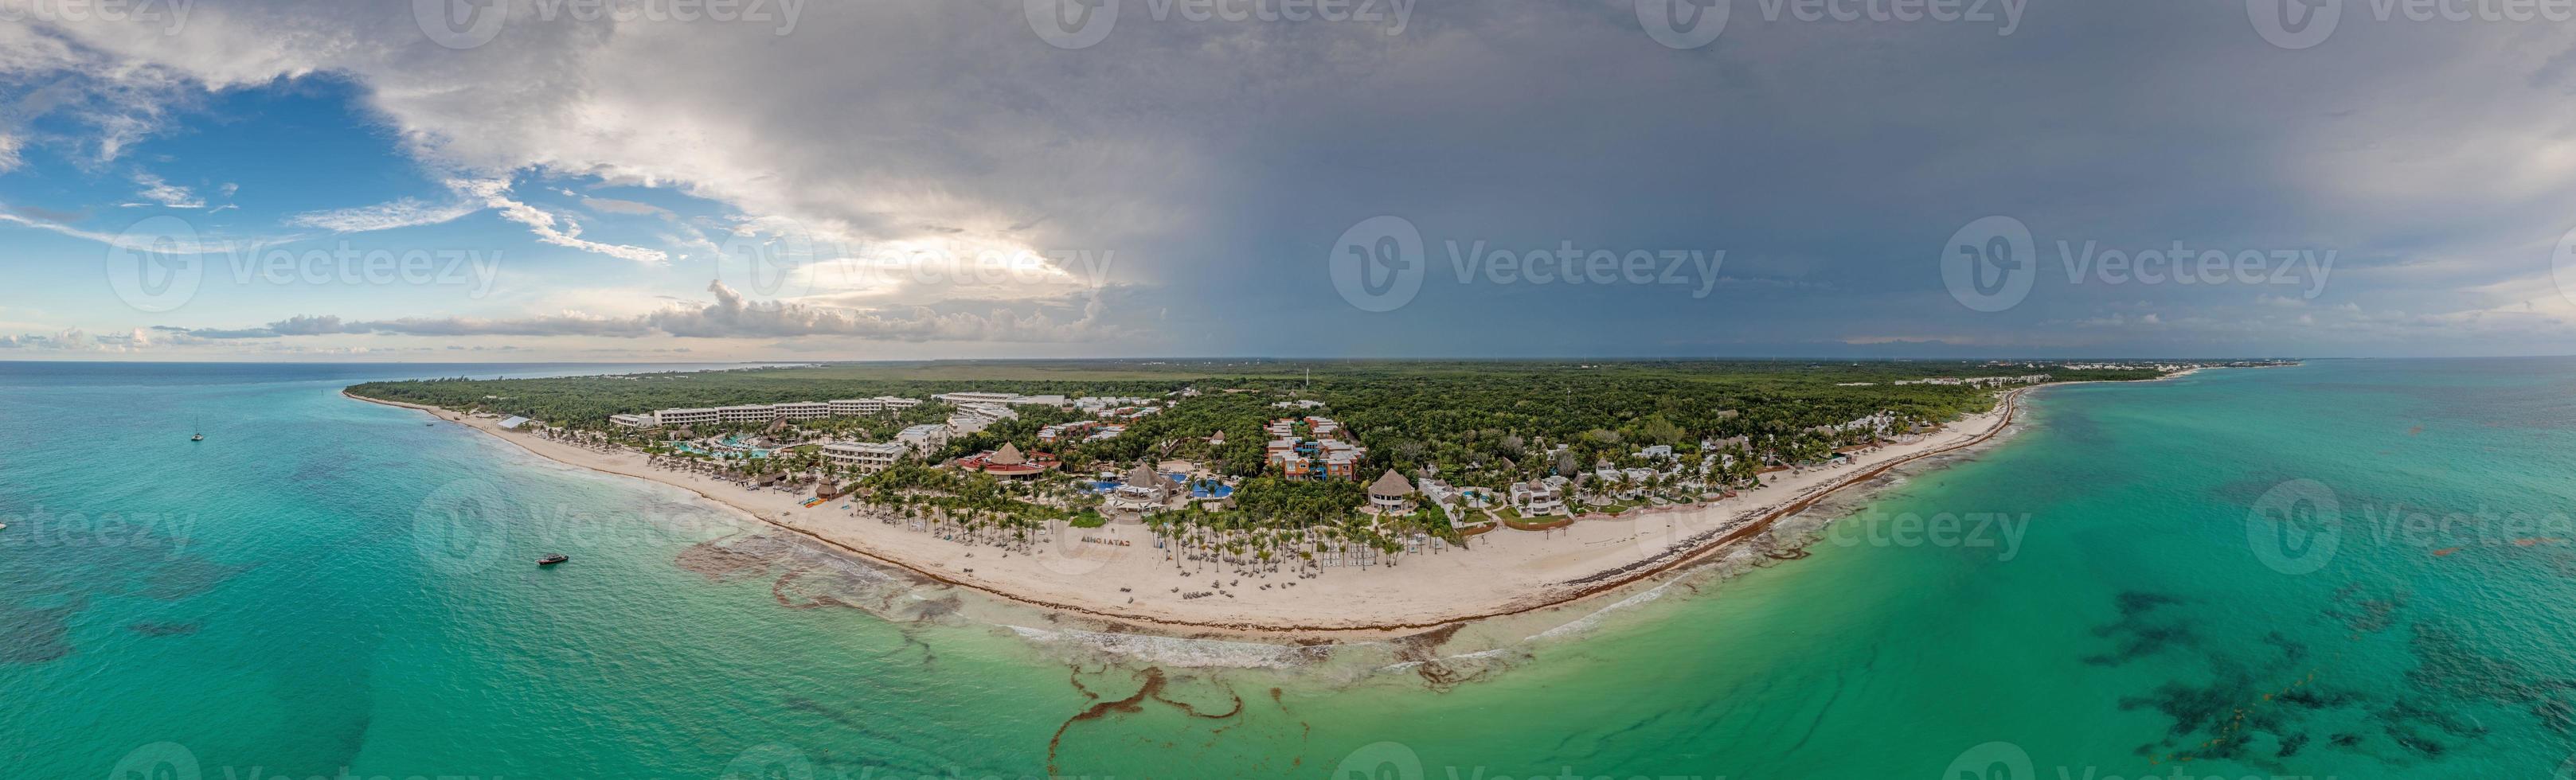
552, 559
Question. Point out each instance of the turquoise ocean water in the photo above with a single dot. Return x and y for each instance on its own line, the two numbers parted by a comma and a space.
2349, 568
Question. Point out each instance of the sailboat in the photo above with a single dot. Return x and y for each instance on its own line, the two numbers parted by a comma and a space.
199, 436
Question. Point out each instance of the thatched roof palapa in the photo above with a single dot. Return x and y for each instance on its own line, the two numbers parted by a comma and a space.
1146, 477
1008, 455
1391, 485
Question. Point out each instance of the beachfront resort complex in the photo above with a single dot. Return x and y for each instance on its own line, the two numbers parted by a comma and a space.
1402, 462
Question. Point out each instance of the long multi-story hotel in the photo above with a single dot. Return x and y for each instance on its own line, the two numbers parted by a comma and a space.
847, 407
792, 410
803, 410
687, 416
867, 456
747, 413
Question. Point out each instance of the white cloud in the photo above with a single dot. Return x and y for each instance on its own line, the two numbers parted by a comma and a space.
167, 194
495, 194
730, 316
401, 213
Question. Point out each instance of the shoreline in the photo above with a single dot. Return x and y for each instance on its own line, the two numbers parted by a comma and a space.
1502, 574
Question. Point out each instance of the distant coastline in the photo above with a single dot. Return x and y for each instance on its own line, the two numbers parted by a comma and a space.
1113, 576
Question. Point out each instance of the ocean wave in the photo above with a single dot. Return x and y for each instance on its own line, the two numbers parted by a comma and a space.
1178, 651
1589, 621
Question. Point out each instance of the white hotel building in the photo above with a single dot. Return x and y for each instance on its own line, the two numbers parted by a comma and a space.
924, 437
792, 410
849, 407
687, 416
747, 413
866, 456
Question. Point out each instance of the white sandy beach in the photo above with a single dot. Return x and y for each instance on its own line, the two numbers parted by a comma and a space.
1505, 571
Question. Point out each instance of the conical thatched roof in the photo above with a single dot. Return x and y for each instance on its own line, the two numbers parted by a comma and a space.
1391, 485
1008, 455
1146, 477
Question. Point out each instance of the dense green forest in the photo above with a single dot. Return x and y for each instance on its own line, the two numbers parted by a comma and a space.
1478, 422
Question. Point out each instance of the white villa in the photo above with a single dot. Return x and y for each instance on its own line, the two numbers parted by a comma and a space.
1535, 498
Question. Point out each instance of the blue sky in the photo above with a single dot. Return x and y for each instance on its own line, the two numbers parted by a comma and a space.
330, 181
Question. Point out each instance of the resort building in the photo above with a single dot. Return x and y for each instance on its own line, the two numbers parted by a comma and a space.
687, 416
1342, 462
1105, 402
1323, 457
1144, 490
867, 456
971, 418
1008, 462
1391, 494
792, 410
634, 420
1052, 433
803, 410
853, 407
923, 438
1006, 399
747, 413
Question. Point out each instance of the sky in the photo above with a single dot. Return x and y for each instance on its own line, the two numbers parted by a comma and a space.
686, 180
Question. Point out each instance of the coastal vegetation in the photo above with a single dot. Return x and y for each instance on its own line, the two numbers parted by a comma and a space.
1614, 436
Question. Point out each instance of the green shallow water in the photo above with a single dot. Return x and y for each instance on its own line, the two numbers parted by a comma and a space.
326, 584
